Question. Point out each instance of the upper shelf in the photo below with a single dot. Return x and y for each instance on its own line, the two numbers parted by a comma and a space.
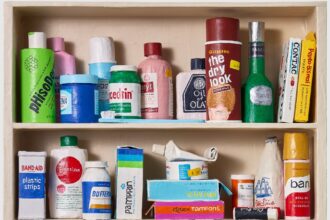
167, 9
173, 126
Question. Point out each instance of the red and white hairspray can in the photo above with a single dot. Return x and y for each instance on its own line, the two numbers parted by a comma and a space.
222, 66
296, 176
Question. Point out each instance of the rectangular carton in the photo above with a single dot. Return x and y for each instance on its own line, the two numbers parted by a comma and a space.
288, 80
31, 183
129, 183
189, 210
185, 190
305, 78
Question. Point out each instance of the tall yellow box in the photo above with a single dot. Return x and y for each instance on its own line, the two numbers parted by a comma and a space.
306, 69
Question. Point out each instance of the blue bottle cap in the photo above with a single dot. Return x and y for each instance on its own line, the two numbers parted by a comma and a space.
78, 78
197, 64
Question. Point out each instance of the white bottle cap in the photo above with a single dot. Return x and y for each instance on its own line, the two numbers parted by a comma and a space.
123, 68
272, 214
37, 40
101, 50
242, 177
158, 149
96, 164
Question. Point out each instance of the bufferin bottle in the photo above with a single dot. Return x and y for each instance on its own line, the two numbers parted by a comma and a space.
258, 90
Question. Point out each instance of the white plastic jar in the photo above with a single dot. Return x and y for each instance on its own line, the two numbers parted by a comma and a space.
96, 191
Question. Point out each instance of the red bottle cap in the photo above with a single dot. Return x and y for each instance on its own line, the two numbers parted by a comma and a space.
154, 48
222, 28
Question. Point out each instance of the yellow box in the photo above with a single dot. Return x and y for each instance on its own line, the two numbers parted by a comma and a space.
306, 69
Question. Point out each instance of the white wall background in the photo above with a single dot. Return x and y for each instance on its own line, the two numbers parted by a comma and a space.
2, 74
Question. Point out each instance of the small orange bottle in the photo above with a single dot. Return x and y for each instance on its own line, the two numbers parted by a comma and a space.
242, 188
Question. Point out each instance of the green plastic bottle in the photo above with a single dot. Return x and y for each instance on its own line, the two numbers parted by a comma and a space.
37, 81
258, 90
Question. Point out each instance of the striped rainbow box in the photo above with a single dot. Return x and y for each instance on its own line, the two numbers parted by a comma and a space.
129, 183
189, 210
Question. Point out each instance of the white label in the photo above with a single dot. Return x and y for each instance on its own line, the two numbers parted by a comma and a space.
245, 195
129, 193
261, 95
297, 185
125, 99
103, 89
149, 92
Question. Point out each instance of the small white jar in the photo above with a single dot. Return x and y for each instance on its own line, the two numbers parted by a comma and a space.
96, 188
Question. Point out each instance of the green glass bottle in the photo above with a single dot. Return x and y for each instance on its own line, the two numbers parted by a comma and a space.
258, 90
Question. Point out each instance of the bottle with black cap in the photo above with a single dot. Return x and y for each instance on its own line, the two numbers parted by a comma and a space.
190, 92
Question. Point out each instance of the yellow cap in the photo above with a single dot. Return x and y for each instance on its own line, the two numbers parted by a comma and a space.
295, 146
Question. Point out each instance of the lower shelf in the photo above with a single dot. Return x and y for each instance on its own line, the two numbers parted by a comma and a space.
206, 126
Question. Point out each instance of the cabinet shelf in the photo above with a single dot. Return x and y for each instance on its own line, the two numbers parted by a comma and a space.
159, 126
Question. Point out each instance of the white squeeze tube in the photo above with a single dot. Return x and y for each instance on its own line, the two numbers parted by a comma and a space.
173, 153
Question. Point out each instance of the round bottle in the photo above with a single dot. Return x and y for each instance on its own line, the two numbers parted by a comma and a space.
96, 191
125, 91
157, 86
65, 176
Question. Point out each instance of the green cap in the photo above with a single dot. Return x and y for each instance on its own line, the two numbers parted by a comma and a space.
69, 141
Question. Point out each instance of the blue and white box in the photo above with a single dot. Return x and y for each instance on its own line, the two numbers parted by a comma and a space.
31, 185
185, 190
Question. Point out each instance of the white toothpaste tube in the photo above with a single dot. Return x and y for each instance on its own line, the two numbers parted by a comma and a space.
173, 153
31, 178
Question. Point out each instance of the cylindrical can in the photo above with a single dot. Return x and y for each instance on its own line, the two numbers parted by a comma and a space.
96, 190
222, 66
125, 91
37, 85
186, 170
256, 213
242, 188
297, 176
79, 98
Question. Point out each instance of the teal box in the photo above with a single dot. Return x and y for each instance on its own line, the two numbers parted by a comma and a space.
185, 190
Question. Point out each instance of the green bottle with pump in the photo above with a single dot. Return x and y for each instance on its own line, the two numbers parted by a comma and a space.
258, 92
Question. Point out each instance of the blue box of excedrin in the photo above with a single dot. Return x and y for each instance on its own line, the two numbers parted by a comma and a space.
185, 190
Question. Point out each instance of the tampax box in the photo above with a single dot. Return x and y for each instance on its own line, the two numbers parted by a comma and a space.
288, 80
31, 185
189, 210
129, 183
185, 190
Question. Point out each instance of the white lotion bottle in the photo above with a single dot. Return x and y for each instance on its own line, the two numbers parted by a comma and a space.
67, 165
190, 92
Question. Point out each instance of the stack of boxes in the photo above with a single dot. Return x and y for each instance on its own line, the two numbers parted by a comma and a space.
187, 193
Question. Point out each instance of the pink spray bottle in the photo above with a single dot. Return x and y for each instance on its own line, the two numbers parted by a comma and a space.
64, 64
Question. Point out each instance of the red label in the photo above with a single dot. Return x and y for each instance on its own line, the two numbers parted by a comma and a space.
298, 205
147, 87
223, 81
69, 170
61, 188
32, 168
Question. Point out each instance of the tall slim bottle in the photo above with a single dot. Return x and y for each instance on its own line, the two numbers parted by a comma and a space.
258, 90
37, 81
64, 64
